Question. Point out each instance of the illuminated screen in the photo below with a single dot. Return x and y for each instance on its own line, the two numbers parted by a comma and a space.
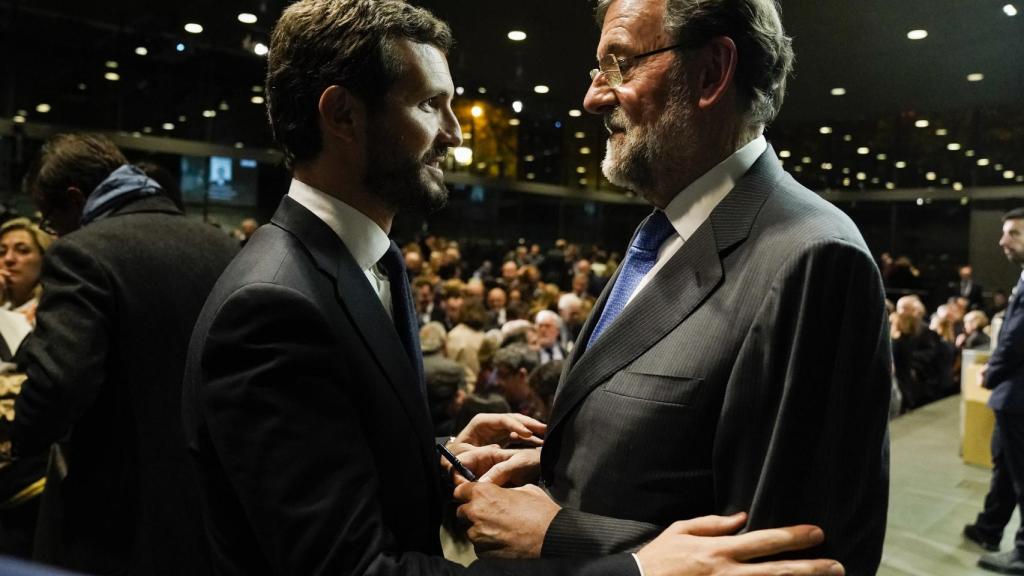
221, 180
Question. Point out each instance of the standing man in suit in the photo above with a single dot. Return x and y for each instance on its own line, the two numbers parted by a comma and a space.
739, 359
970, 289
1004, 375
124, 284
304, 402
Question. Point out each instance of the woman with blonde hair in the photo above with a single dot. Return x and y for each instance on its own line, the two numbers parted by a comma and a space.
22, 246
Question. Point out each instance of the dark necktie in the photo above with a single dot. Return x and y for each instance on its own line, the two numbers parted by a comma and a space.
640, 258
403, 311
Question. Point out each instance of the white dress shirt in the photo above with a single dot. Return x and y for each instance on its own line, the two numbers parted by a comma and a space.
691, 207
365, 240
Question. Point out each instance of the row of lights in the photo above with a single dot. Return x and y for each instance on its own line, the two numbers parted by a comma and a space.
1009, 9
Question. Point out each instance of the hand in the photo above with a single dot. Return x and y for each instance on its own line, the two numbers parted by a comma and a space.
506, 523
486, 429
5, 286
502, 466
981, 375
703, 546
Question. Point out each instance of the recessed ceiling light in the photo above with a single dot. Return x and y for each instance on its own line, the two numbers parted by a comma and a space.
147, 129
460, 90
862, 176
1009, 174
463, 155
1010, 10
517, 35
969, 153
825, 130
136, 134
846, 170
982, 161
958, 186
890, 186
580, 135
513, 122
826, 165
209, 113
583, 181
112, 64
182, 118
112, 76
900, 165
875, 180
575, 113
798, 169
257, 99
882, 157
42, 108
180, 47
193, 28
482, 90
941, 132
839, 91
260, 49
541, 89
18, 119
82, 86
168, 126
847, 138
953, 146
975, 77
785, 154
531, 176
931, 176
920, 201
846, 181
917, 34
863, 150
922, 123
806, 160
247, 18
584, 151
998, 167
141, 50
529, 158
223, 106
239, 145
944, 181
517, 106
257, 88
581, 170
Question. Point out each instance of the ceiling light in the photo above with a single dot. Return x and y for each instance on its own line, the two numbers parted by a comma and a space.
531, 176
917, 34
944, 181
460, 90
862, 176
239, 145
476, 111
463, 155
168, 126
142, 50
257, 99
193, 28
182, 118
180, 47
875, 180
826, 166
517, 35
580, 135
147, 129
901, 165
82, 86
846, 170
969, 153
112, 64
863, 150
112, 76
847, 138
890, 186
958, 186
574, 113
1009, 174
931, 176
583, 181
941, 132
806, 159
998, 167
922, 123
839, 91
581, 170
964, 201
481, 165
257, 88
982, 161
247, 18
513, 122
798, 169
482, 90
517, 106
920, 201
529, 158
1010, 10
825, 130
541, 89
18, 119
260, 49
846, 181
881, 157
584, 151
43, 108
785, 154
223, 106
209, 113
953, 146
975, 77
467, 136
136, 134
1020, 178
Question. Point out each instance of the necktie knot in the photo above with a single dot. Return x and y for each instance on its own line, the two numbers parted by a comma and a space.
653, 233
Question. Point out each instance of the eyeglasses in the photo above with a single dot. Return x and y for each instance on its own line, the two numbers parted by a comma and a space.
611, 66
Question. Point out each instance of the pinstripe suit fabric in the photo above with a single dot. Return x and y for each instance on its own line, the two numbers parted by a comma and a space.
751, 374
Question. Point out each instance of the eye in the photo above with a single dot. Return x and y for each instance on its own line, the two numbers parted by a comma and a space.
431, 104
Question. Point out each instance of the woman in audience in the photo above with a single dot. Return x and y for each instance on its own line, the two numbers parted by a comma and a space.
22, 245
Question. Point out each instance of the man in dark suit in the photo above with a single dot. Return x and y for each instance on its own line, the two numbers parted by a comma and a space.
105, 361
970, 289
1004, 375
739, 359
304, 401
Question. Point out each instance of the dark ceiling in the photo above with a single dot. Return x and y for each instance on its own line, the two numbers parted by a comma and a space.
56, 53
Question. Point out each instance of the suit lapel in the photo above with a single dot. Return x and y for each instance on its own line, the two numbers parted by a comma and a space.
363, 308
673, 294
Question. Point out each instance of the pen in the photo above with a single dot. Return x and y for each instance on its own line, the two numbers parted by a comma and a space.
459, 467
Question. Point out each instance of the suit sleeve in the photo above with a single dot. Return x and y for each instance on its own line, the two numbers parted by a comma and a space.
576, 533
1007, 360
65, 357
811, 386
288, 437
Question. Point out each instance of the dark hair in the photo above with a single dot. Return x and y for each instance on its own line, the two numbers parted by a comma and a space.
544, 380
517, 356
72, 160
320, 43
473, 314
765, 54
168, 183
1015, 214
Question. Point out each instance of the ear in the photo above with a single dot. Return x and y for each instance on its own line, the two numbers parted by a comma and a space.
717, 62
341, 113
76, 199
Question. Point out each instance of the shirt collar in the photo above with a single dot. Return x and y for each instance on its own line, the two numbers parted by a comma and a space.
691, 207
363, 237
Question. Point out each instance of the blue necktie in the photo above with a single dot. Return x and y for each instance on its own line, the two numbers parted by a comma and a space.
402, 309
640, 258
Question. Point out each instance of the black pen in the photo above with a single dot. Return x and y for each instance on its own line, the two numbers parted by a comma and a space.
459, 467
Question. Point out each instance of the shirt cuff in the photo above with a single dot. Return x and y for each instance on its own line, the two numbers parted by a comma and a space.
639, 566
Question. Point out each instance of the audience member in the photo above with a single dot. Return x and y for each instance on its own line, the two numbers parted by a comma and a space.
543, 383
549, 334
513, 365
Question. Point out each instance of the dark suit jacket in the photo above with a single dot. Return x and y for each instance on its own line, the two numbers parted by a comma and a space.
1005, 372
751, 374
105, 363
310, 429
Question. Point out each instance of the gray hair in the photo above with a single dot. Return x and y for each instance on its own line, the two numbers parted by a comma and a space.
765, 54
517, 356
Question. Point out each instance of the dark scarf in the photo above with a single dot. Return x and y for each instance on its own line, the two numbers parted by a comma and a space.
122, 186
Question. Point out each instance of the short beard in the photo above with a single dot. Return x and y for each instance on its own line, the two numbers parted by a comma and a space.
645, 152
404, 183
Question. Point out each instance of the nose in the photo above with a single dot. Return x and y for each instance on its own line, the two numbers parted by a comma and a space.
600, 97
451, 130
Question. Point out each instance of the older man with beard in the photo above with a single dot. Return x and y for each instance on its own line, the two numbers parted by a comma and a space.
739, 359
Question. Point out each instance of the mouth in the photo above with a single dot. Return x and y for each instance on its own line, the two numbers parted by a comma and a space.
434, 161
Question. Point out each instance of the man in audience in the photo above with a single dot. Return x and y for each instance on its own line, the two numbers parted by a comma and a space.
513, 365
124, 285
739, 360
304, 398
1004, 375
496, 300
549, 333
970, 289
